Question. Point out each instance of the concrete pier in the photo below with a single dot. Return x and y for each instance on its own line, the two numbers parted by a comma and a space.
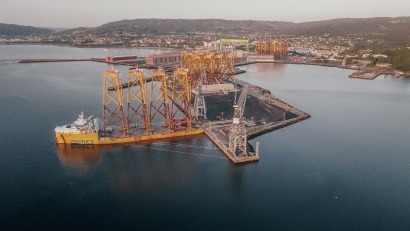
365, 74
215, 132
264, 113
370, 74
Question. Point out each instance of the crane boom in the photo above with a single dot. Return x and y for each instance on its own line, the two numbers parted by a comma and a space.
239, 107
242, 99
237, 135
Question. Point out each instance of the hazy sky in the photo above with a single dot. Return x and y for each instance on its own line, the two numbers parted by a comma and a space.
89, 13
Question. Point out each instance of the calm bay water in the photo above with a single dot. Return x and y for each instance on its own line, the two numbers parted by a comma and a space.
346, 168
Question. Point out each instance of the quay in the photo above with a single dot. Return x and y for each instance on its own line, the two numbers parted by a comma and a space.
256, 131
365, 74
263, 113
9, 61
220, 139
369, 74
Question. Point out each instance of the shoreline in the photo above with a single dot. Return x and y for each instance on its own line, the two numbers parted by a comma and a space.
67, 45
360, 72
368, 73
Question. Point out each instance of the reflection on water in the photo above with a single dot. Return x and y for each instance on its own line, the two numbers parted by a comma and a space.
151, 167
236, 175
80, 156
272, 68
147, 167
142, 169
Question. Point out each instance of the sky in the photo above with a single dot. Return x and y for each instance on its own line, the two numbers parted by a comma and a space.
91, 13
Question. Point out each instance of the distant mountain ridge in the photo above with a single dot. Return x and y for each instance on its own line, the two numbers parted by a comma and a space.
394, 30
168, 26
354, 25
334, 26
18, 30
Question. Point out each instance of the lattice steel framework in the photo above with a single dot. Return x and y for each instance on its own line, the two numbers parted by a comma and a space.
181, 100
209, 66
218, 62
159, 98
238, 140
137, 100
278, 49
219, 66
230, 66
113, 113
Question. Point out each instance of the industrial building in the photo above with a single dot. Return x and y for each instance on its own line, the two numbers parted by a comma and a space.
163, 59
121, 59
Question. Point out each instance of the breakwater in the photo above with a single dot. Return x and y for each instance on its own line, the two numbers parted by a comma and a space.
56, 60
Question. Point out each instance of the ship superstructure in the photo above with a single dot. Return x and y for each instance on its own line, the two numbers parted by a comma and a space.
81, 125
81, 131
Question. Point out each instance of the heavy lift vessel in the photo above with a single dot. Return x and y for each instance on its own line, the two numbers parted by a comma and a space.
166, 115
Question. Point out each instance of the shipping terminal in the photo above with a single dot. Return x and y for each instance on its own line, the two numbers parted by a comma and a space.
200, 97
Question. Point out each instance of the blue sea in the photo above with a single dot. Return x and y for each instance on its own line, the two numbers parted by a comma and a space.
345, 168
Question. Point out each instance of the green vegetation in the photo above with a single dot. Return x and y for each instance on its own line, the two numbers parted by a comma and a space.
399, 58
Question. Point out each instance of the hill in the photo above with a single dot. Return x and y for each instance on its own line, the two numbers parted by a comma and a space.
18, 30
391, 30
181, 26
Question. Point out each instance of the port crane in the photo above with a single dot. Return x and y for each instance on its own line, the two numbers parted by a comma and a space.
237, 136
199, 102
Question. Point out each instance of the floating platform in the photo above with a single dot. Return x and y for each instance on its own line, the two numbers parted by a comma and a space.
94, 138
85, 130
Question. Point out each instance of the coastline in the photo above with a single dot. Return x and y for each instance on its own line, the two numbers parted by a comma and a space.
86, 46
362, 72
